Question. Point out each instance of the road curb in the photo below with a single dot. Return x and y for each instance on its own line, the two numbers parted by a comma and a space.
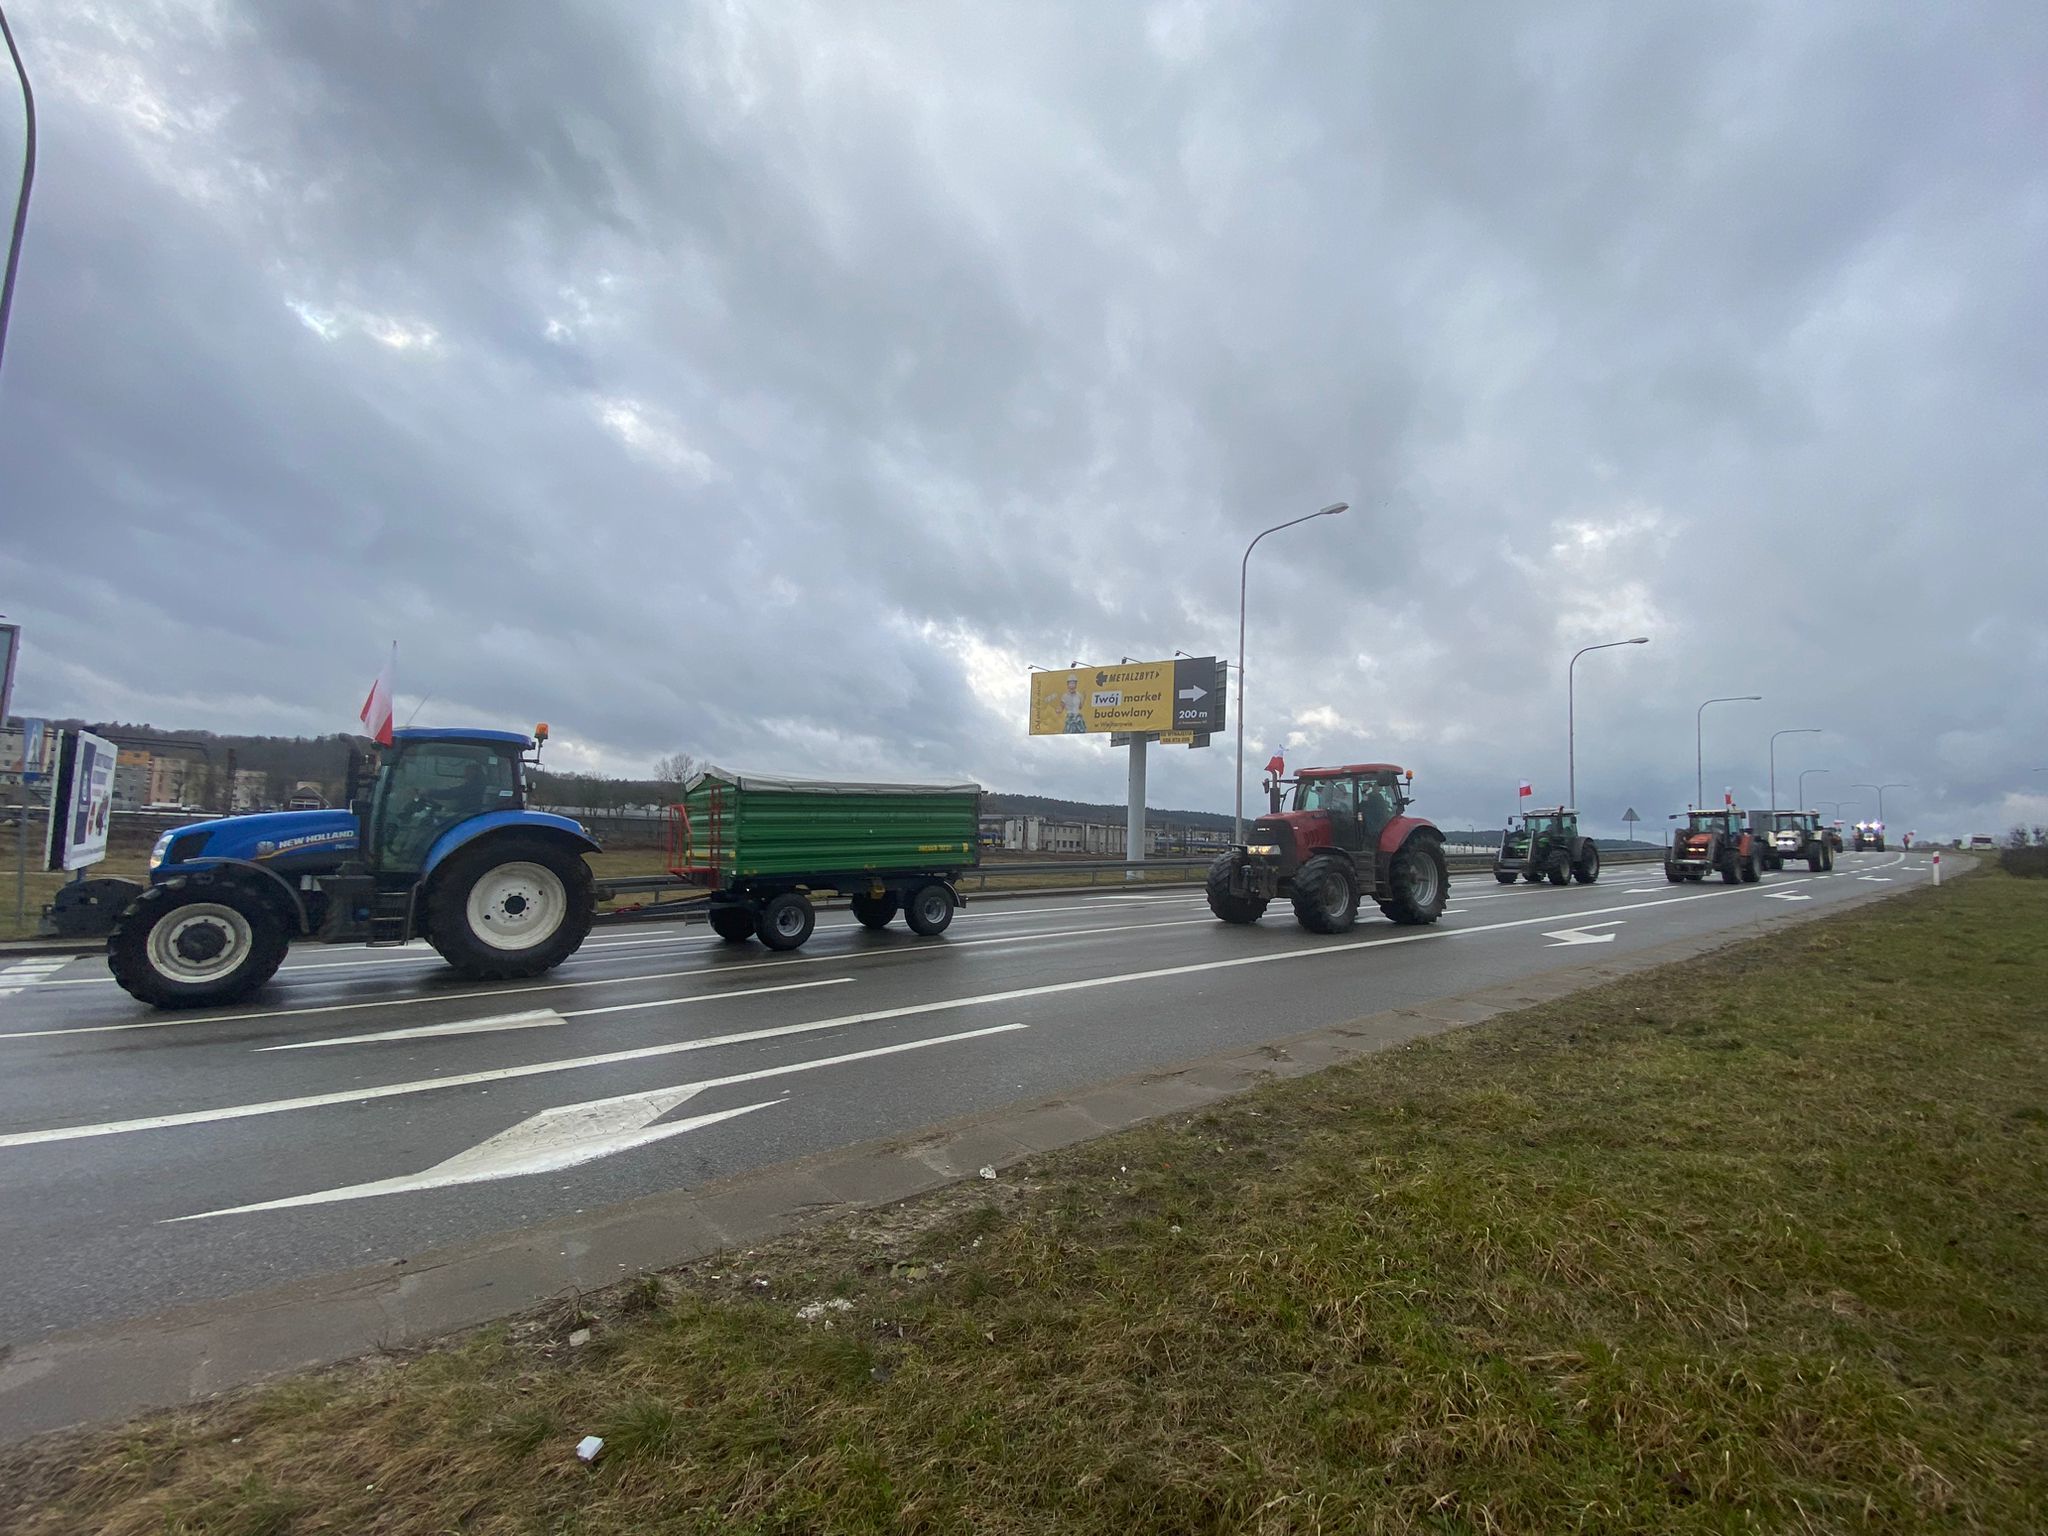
191, 1354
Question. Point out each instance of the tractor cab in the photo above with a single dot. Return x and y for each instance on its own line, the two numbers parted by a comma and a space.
431, 781
1356, 803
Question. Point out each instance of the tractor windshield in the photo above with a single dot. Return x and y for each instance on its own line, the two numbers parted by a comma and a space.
1326, 795
424, 789
1709, 821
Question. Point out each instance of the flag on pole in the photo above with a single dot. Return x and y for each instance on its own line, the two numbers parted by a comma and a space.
1728, 797
1276, 765
376, 715
1524, 790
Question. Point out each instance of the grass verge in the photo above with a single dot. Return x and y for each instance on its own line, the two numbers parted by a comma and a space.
1749, 1243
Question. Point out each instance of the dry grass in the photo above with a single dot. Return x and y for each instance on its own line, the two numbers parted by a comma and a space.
1748, 1244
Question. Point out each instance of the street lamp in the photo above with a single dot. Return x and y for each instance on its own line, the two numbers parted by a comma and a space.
1244, 566
1880, 788
28, 178
1795, 730
1801, 791
1571, 706
1699, 736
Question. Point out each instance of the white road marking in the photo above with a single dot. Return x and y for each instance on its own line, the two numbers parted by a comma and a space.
911, 1010
541, 1018
911, 951
1790, 896
1876, 879
23, 974
1584, 934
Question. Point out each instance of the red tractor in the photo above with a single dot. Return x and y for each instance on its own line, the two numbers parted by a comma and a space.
1344, 838
1714, 841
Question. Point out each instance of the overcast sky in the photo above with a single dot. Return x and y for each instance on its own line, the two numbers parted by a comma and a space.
774, 382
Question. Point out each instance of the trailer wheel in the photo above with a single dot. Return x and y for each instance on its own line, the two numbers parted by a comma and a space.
930, 911
1505, 876
1223, 901
874, 911
1587, 870
1421, 882
733, 924
196, 942
1325, 895
786, 921
508, 907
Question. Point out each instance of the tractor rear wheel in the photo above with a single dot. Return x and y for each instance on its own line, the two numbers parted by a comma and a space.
735, 925
930, 912
196, 942
1325, 895
507, 907
1225, 903
873, 911
1587, 870
1420, 881
1752, 868
1816, 861
1505, 876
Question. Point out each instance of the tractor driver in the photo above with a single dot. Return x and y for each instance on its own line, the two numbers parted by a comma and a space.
463, 799
1379, 809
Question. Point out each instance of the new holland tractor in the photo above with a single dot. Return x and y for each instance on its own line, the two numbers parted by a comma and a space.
1547, 845
1343, 838
1714, 841
442, 848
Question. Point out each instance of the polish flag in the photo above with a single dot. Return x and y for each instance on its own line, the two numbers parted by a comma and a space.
1728, 797
1276, 765
1524, 790
376, 715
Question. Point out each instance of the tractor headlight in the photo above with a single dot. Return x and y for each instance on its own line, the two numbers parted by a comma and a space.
1263, 850
163, 846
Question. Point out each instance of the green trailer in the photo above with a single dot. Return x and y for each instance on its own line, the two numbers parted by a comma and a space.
766, 846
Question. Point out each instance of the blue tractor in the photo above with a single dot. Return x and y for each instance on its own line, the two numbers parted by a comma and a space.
443, 848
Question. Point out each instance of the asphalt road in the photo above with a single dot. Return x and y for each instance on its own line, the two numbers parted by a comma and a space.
371, 1106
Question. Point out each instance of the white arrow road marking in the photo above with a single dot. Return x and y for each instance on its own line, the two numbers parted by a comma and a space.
1585, 934
1790, 896
542, 1018
580, 1133
547, 1142
911, 1010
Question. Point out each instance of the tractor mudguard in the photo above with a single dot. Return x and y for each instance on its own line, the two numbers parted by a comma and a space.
1395, 833
466, 832
260, 877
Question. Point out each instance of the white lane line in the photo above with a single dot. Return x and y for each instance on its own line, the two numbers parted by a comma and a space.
579, 1133
911, 1010
540, 1018
911, 951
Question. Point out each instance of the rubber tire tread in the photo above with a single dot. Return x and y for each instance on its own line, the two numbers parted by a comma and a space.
128, 944
447, 907
1400, 908
1587, 870
919, 925
873, 911
1309, 909
1228, 907
735, 925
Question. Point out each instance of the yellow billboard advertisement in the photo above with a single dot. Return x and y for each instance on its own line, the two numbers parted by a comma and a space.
1080, 701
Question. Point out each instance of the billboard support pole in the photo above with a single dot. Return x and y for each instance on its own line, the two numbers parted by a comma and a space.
1134, 814
21, 855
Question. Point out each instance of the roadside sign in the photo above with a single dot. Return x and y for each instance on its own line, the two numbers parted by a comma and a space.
81, 801
1164, 738
1186, 695
1631, 818
31, 750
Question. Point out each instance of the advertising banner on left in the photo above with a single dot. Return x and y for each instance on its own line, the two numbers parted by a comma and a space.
81, 801
1150, 696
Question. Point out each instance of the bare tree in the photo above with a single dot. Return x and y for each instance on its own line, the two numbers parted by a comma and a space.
676, 768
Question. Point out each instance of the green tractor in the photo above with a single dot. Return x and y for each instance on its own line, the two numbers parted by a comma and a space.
1547, 846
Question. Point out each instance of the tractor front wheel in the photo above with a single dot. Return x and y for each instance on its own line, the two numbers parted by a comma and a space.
1325, 895
508, 907
1673, 873
196, 942
1224, 902
1420, 881
1505, 876
1559, 869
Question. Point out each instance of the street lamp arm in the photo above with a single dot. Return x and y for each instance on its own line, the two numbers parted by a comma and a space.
1243, 573
28, 179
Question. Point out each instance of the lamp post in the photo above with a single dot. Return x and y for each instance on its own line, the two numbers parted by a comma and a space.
1699, 740
1794, 730
1881, 788
1243, 568
1801, 790
28, 179
1571, 707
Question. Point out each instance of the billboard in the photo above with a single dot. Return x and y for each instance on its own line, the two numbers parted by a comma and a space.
10, 644
1162, 696
81, 801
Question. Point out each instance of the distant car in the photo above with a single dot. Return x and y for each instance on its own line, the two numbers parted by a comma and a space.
1979, 840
